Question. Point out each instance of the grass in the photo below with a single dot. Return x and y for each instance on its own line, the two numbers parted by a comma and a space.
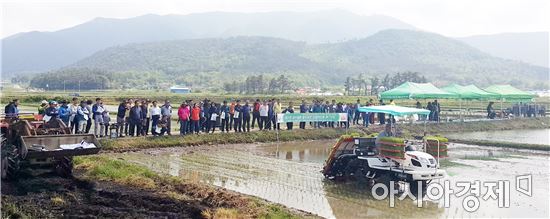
58, 201
220, 202
119, 171
448, 163
539, 147
226, 213
492, 158
128, 144
12, 211
476, 126
485, 158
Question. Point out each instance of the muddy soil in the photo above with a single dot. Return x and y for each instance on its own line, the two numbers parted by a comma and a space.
51, 196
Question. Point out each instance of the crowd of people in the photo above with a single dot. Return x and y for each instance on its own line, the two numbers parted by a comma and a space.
136, 117
139, 117
518, 110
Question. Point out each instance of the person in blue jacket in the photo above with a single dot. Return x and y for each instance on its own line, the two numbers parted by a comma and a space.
52, 110
11, 109
64, 112
214, 117
303, 109
135, 119
246, 117
238, 117
317, 108
350, 110
224, 116
289, 109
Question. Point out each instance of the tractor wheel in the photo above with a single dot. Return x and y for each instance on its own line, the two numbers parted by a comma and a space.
4, 168
385, 179
64, 167
361, 170
351, 169
414, 187
10, 167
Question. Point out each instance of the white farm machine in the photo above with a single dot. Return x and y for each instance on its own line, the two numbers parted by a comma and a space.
372, 161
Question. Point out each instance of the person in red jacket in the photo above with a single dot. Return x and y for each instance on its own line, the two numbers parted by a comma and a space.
195, 118
183, 118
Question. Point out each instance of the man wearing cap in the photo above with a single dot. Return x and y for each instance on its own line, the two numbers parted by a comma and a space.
52, 110
42, 107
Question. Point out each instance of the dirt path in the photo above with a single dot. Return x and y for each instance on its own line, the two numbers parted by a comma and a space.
50, 196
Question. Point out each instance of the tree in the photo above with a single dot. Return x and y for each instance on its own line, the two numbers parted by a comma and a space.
260, 84
375, 84
347, 86
283, 83
272, 87
360, 82
227, 87
386, 81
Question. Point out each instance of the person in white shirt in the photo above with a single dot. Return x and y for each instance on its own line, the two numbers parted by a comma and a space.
72, 115
264, 112
82, 116
155, 116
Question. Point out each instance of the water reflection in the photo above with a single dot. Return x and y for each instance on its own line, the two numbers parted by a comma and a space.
306, 151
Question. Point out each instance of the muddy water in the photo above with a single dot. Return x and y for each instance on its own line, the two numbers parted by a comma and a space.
527, 136
290, 174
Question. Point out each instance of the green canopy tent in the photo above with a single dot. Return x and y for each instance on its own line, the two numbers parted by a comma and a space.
479, 93
410, 90
509, 93
470, 92
461, 92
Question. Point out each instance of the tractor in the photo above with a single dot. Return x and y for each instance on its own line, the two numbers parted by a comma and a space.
414, 161
31, 143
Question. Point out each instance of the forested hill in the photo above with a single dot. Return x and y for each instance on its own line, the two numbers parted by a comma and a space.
439, 58
41, 51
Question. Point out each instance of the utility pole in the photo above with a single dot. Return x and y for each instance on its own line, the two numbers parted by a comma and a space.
64, 86
78, 86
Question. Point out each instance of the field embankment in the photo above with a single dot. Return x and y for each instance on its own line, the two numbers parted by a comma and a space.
133, 144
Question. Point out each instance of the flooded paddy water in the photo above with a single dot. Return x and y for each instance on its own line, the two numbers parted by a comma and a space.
526, 136
289, 174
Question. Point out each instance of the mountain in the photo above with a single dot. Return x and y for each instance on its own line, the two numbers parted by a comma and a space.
531, 47
41, 51
440, 59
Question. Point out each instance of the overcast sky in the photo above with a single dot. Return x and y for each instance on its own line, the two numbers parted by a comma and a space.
447, 17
